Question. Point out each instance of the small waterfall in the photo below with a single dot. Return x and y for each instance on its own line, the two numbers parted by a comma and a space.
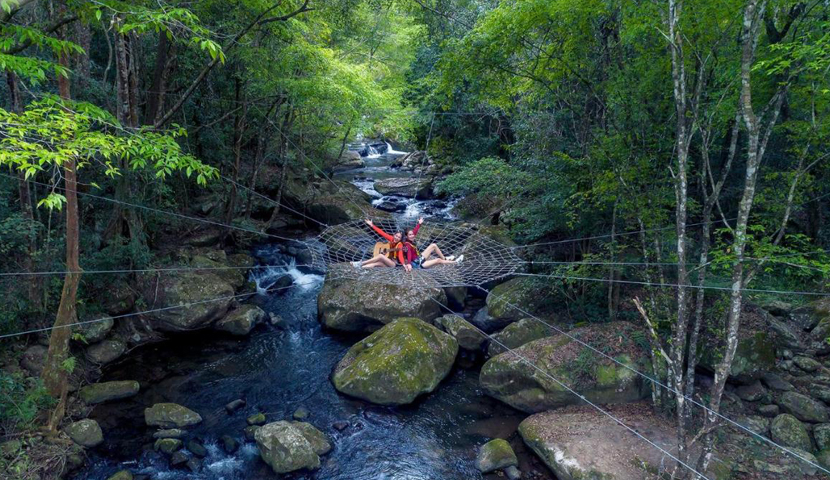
285, 274
373, 152
392, 151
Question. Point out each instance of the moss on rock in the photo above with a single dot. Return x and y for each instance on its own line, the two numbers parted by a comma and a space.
515, 298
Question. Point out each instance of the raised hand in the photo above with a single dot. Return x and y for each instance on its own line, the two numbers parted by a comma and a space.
420, 220
369, 222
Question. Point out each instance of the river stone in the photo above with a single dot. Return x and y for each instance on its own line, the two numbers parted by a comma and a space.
494, 455
122, 475
397, 363
196, 448
517, 334
777, 383
167, 445
301, 413
94, 331
754, 423
752, 392
318, 440
250, 432
86, 433
456, 296
508, 378
229, 444
219, 266
769, 411
366, 306
419, 188
487, 323
284, 447
821, 433
788, 431
170, 433
197, 291
804, 408
106, 391
516, 298
468, 336
106, 351
822, 331
234, 405
170, 415
256, 419
806, 363
241, 320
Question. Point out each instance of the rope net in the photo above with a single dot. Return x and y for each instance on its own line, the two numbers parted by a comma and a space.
485, 259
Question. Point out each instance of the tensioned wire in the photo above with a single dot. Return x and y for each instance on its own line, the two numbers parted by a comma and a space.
658, 383
172, 307
140, 270
608, 414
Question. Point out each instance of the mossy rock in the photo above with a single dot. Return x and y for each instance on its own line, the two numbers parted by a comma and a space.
86, 433
122, 475
494, 455
318, 440
790, 432
94, 331
601, 380
107, 391
167, 445
285, 448
197, 291
517, 334
242, 320
106, 351
365, 306
804, 408
516, 298
754, 356
233, 276
397, 363
468, 336
170, 415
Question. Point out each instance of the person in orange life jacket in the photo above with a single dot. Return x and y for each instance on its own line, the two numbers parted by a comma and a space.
409, 257
381, 260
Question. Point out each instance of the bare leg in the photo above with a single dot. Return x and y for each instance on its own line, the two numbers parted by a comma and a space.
378, 261
432, 248
436, 261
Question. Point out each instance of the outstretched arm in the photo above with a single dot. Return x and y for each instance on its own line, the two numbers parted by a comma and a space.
379, 231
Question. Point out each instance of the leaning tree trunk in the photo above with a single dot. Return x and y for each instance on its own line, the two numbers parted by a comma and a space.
55, 373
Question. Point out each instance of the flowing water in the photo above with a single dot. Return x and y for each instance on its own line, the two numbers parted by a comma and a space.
278, 371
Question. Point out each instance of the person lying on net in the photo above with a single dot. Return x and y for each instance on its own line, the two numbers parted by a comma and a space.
410, 258
385, 257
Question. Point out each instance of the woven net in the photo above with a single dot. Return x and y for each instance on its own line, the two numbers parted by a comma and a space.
485, 259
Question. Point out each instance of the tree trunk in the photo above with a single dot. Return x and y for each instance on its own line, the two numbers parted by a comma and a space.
165, 54
55, 374
286, 125
238, 127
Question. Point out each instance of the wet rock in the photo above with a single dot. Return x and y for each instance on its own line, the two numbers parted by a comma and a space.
516, 298
804, 408
285, 448
179, 459
340, 426
468, 336
301, 413
759, 425
391, 204
242, 320
256, 419
277, 321
495, 455
33, 359
513, 473
170, 433
410, 187
769, 411
456, 296
229, 444
777, 383
318, 440
507, 378
234, 405
806, 363
86, 433
397, 363
487, 323
198, 290
250, 432
821, 433
752, 392
106, 351
785, 335
823, 458
122, 475
119, 299
820, 392
196, 448
517, 334
788, 431
366, 306
94, 331
171, 415
167, 445
107, 391
194, 465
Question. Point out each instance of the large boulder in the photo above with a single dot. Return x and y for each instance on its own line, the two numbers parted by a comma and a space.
788, 431
516, 298
241, 320
106, 391
86, 433
286, 448
509, 378
328, 201
170, 415
365, 306
754, 356
468, 336
204, 298
495, 455
350, 160
517, 334
216, 262
106, 351
804, 408
397, 363
33, 359
420, 188
580, 443
95, 330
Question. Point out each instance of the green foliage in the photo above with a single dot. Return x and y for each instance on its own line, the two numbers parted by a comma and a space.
21, 399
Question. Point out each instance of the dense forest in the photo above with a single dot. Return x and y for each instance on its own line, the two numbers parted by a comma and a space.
656, 174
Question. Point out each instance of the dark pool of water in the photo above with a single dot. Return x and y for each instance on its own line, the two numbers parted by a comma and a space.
278, 371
